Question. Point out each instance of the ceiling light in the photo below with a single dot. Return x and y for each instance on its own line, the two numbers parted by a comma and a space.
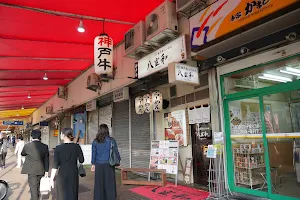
81, 27
289, 72
291, 69
18, 114
29, 97
282, 78
271, 79
45, 77
22, 108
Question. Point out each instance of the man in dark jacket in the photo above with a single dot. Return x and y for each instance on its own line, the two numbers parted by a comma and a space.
36, 163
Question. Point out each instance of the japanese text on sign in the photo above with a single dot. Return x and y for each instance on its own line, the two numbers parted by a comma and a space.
103, 54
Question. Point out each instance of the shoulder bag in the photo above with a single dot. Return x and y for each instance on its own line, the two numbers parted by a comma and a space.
114, 159
81, 171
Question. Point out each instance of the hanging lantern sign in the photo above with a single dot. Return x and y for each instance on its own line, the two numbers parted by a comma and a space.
139, 105
157, 101
103, 55
148, 103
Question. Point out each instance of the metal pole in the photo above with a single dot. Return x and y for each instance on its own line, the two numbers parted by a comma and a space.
130, 147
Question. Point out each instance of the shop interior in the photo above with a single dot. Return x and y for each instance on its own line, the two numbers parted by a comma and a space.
281, 123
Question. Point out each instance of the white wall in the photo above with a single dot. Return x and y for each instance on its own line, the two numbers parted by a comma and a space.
77, 92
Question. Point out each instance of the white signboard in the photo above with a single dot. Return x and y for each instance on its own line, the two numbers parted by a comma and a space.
91, 105
103, 55
164, 155
186, 73
121, 94
175, 51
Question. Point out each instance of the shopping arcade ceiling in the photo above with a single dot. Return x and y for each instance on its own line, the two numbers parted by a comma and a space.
33, 43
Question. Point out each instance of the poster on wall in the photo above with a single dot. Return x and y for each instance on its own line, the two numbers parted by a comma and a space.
176, 127
164, 155
79, 122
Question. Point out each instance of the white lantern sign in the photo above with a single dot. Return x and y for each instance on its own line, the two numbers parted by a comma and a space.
148, 102
157, 101
139, 105
103, 55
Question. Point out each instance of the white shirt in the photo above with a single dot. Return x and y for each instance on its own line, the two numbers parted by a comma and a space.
19, 147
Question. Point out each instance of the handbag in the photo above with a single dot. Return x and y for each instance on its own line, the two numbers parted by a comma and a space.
45, 185
81, 171
114, 159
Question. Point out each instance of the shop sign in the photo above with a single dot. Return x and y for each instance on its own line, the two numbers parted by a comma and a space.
44, 123
103, 54
55, 134
121, 94
91, 105
226, 16
13, 123
175, 51
178, 72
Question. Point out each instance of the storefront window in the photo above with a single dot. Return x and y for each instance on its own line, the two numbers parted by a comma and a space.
265, 76
282, 121
247, 143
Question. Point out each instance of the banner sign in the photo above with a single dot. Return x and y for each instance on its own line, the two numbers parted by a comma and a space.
175, 51
226, 16
13, 123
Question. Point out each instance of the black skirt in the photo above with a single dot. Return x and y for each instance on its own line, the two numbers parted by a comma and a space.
105, 182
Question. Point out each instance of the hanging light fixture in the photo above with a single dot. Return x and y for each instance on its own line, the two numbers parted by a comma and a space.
45, 77
18, 114
29, 97
22, 108
80, 28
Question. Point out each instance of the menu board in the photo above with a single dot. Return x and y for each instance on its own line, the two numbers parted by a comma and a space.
164, 155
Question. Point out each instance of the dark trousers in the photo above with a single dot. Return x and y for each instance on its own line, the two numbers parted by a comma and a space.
105, 182
34, 185
2, 159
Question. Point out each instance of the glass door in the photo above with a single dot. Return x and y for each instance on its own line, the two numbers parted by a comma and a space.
246, 162
282, 125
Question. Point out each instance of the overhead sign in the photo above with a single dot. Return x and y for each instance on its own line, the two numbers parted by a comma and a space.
13, 123
103, 54
43, 123
226, 16
178, 72
91, 105
175, 51
121, 94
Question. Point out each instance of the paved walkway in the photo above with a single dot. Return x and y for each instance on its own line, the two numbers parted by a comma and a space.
19, 189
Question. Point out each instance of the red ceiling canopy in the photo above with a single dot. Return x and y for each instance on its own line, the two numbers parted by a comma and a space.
38, 37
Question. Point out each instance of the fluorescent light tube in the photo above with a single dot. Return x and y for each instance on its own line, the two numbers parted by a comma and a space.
271, 79
291, 69
278, 77
289, 72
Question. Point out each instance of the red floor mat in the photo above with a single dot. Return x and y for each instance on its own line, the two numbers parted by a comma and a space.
171, 192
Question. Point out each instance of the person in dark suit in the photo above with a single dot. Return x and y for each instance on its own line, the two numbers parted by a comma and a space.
36, 163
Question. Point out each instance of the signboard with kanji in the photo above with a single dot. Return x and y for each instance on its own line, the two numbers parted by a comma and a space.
103, 55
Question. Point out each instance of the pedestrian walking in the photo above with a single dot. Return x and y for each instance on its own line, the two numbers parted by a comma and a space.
19, 148
36, 163
66, 157
3, 149
105, 177
13, 141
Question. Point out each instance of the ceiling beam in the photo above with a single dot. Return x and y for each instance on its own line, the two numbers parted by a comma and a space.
65, 14
29, 91
30, 86
40, 58
36, 70
45, 41
33, 100
36, 79
25, 95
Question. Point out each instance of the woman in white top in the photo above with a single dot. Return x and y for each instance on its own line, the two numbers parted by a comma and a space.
19, 147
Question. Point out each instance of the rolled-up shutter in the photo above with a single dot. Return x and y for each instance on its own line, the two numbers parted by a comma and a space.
121, 130
105, 115
140, 138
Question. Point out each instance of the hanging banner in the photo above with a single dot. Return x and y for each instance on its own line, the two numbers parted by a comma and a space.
157, 101
225, 16
103, 55
175, 51
176, 127
148, 102
139, 105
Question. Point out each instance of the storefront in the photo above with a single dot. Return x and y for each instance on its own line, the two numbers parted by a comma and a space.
261, 106
79, 121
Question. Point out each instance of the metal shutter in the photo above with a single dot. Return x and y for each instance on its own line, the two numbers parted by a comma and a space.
140, 142
121, 130
92, 126
105, 115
